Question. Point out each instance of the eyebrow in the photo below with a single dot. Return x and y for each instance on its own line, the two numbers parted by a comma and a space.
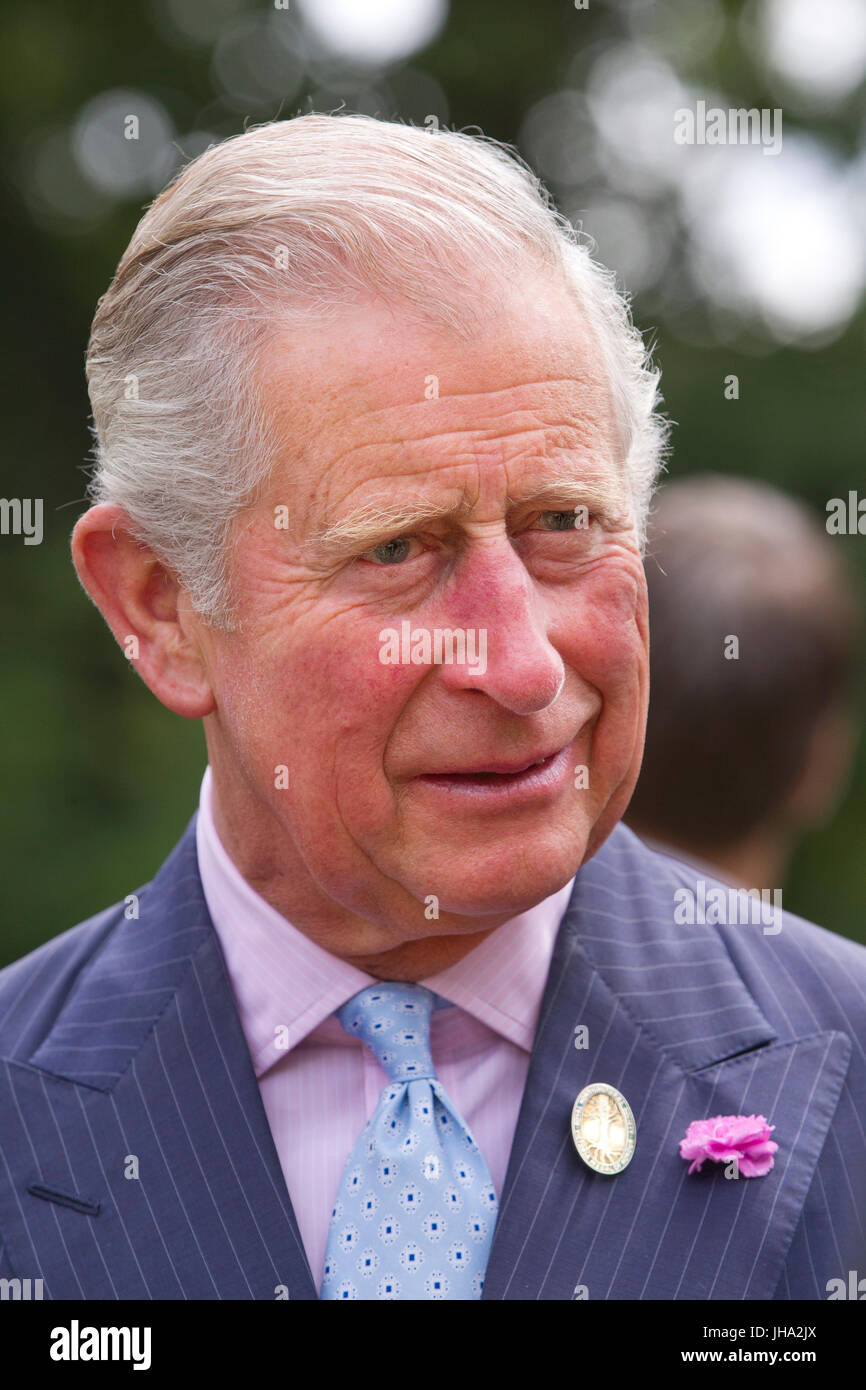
377, 520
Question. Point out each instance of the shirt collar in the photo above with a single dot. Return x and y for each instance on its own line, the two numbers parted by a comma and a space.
285, 985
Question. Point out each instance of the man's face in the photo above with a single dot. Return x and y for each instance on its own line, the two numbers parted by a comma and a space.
405, 780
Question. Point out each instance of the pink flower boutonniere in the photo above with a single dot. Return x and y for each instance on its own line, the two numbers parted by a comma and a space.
745, 1138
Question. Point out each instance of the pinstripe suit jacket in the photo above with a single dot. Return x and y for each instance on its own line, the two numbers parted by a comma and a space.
121, 1052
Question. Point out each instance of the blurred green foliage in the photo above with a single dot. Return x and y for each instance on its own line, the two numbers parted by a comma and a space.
99, 778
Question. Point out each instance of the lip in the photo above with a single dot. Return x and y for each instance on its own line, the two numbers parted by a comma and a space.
501, 767
508, 783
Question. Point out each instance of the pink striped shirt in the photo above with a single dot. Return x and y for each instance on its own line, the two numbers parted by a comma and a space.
318, 1085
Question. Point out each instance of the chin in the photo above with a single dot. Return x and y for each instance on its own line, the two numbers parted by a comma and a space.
483, 882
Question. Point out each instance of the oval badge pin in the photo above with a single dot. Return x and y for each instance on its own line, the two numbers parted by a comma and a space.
603, 1128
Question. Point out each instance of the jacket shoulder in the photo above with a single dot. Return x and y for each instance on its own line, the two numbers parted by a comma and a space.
792, 966
33, 989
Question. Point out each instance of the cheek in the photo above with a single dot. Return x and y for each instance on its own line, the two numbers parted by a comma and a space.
325, 697
245, 704
606, 631
342, 720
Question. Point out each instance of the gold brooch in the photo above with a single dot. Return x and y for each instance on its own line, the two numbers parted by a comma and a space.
603, 1128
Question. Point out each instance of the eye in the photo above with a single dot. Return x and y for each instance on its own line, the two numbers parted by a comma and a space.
575, 519
392, 552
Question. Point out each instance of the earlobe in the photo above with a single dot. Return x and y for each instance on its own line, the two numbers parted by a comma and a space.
142, 603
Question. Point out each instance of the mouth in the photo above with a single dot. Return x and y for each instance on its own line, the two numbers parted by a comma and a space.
503, 778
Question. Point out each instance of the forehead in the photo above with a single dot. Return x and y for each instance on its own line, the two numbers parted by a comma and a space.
375, 394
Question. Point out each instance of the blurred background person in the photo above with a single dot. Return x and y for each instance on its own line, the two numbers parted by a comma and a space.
754, 637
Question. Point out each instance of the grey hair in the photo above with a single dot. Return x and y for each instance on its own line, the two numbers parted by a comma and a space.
274, 227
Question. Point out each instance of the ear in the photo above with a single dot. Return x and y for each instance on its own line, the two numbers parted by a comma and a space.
146, 608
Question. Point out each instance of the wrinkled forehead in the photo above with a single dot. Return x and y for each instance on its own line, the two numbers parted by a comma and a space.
376, 394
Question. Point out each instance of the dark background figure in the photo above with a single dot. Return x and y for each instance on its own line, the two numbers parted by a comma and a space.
745, 753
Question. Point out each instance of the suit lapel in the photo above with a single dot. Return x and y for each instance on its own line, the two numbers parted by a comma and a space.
142, 1103
671, 1025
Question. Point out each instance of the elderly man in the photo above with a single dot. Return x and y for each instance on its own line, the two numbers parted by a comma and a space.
407, 1013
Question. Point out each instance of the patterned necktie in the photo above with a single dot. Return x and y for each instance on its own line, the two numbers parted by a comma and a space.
416, 1208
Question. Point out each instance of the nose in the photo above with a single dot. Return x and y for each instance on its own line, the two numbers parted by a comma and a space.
494, 594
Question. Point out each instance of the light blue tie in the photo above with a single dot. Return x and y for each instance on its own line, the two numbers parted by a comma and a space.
416, 1208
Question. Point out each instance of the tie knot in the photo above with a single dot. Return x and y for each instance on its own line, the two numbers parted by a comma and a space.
393, 1020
